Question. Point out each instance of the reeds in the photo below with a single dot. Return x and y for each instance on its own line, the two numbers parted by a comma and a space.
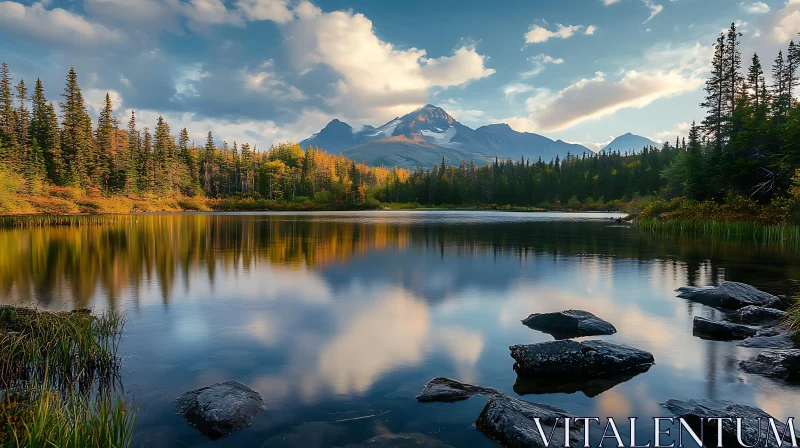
65, 349
57, 377
726, 231
40, 416
7, 222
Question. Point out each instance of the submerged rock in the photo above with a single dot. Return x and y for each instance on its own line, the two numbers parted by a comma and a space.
778, 364
591, 387
572, 359
308, 435
720, 330
221, 408
731, 295
402, 440
510, 422
695, 410
752, 314
447, 390
778, 341
569, 324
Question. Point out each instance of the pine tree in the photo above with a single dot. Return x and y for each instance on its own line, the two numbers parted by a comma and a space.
132, 159
208, 161
44, 130
104, 140
8, 117
76, 133
733, 65
791, 70
163, 152
694, 165
23, 118
716, 94
756, 82
781, 100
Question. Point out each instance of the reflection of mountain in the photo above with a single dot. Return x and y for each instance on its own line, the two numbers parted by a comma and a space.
64, 263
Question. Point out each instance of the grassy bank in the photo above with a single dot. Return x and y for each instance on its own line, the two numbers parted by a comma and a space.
735, 219
57, 379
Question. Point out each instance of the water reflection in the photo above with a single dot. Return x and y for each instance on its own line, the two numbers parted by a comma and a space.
331, 315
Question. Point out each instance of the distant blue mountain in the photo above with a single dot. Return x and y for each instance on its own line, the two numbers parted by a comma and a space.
629, 142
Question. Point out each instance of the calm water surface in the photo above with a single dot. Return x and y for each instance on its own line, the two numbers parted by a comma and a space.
335, 316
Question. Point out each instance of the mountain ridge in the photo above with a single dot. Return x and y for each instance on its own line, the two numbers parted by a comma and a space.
424, 136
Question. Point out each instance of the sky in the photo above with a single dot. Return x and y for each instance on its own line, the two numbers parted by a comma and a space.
272, 71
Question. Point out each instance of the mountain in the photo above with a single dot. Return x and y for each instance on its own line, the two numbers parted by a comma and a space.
629, 142
424, 136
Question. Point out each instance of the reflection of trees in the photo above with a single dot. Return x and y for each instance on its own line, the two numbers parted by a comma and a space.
73, 262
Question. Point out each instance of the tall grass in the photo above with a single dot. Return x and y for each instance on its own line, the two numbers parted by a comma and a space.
726, 231
57, 377
62, 220
64, 349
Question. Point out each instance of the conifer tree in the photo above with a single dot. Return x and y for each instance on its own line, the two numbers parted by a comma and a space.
716, 94
104, 141
76, 133
44, 130
8, 122
132, 159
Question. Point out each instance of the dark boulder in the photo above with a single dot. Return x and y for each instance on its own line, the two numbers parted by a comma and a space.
730, 295
308, 435
402, 440
591, 387
569, 324
219, 409
510, 422
778, 364
447, 390
572, 359
760, 315
720, 330
696, 411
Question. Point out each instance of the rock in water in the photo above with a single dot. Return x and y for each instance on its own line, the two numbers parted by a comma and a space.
720, 330
219, 409
447, 390
401, 440
308, 435
779, 364
695, 410
510, 422
591, 387
574, 359
752, 314
781, 341
731, 295
569, 324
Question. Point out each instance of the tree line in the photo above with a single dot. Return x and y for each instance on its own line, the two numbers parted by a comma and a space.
60, 145
747, 145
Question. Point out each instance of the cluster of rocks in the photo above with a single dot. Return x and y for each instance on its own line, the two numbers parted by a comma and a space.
755, 321
563, 365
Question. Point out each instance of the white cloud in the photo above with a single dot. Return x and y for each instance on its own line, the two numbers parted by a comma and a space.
680, 129
590, 30
515, 89
274, 10
788, 24
755, 7
538, 34
376, 80
610, 2
672, 71
539, 62
262, 79
54, 24
655, 9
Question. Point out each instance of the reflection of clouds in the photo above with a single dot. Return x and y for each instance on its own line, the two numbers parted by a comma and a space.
464, 346
387, 334
264, 329
613, 404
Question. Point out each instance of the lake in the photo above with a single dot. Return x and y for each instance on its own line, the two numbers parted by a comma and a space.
343, 317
